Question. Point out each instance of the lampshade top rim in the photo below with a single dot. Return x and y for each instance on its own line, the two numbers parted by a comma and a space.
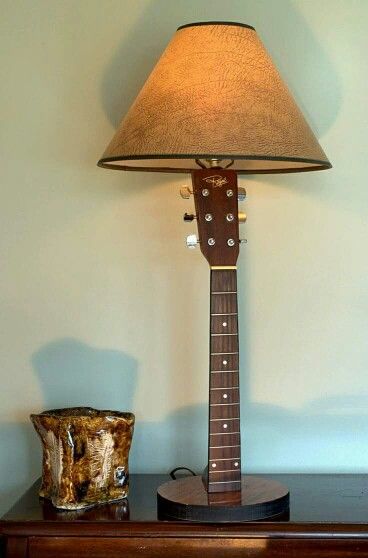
200, 23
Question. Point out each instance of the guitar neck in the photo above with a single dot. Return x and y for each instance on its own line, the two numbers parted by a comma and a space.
224, 471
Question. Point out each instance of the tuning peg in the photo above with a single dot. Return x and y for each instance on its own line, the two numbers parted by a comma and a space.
189, 217
192, 241
185, 192
242, 194
243, 241
242, 217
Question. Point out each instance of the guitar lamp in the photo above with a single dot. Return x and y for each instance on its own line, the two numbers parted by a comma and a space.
215, 106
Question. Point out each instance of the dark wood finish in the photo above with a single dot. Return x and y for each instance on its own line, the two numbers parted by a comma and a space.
217, 203
223, 472
328, 519
187, 499
17, 547
210, 548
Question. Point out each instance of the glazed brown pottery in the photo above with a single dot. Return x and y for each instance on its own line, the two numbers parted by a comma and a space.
85, 456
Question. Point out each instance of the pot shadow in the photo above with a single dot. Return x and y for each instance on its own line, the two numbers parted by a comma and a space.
69, 372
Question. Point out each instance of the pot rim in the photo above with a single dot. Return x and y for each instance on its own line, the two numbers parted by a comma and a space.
84, 412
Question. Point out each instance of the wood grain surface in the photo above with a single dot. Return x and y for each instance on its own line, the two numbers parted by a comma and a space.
328, 519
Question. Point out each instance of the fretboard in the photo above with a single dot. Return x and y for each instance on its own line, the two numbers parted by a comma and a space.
224, 467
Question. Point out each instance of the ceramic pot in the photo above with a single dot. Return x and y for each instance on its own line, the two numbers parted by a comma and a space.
85, 456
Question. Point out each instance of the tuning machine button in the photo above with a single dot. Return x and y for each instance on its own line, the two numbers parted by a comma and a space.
242, 217
188, 217
185, 192
192, 241
243, 241
242, 194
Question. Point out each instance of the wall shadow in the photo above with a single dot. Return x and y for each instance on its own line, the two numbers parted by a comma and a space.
321, 437
72, 373
144, 42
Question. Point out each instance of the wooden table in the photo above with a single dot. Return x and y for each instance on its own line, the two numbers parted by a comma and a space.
328, 518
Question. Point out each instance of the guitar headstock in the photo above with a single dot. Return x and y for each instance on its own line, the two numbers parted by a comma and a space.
216, 204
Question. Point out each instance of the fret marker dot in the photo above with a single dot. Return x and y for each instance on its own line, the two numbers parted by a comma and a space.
224, 425
214, 465
225, 396
224, 362
224, 324
236, 464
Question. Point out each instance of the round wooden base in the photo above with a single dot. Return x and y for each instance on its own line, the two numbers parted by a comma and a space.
187, 499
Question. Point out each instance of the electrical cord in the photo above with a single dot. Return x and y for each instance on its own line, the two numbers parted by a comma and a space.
174, 471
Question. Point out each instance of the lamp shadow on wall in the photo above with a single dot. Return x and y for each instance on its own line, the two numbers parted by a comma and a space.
320, 437
275, 22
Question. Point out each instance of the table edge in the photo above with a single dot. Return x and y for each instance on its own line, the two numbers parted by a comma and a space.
186, 530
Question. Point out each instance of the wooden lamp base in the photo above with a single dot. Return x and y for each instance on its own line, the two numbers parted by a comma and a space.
187, 499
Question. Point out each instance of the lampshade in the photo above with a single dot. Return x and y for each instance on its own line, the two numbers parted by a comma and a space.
215, 94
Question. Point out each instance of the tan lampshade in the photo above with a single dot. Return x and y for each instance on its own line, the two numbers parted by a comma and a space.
215, 93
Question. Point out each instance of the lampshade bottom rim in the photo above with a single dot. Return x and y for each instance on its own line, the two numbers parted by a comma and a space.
248, 165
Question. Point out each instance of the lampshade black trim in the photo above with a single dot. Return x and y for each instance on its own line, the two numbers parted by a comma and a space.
196, 24
108, 162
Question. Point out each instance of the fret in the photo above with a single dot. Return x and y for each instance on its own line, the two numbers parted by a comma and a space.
227, 314
222, 334
235, 353
222, 371
223, 404
223, 471
233, 418
224, 292
230, 475
224, 482
217, 447
225, 387
227, 459
224, 433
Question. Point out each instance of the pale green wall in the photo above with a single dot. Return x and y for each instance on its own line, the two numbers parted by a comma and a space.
102, 305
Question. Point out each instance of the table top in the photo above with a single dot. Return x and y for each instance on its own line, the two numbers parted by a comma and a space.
319, 504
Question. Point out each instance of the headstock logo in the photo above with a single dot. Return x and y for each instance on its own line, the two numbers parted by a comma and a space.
216, 180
